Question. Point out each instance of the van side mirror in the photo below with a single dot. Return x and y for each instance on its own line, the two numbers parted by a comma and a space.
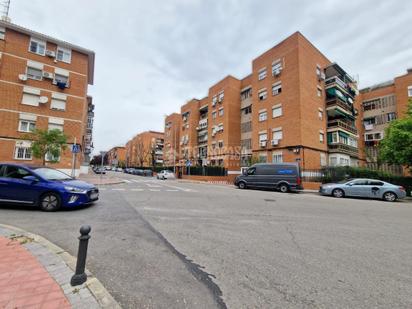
244, 172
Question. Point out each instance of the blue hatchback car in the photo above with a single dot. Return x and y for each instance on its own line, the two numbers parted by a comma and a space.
44, 187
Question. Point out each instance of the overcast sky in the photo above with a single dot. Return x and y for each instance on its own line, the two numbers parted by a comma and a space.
153, 56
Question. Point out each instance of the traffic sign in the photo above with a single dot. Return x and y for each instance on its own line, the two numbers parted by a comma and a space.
75, 148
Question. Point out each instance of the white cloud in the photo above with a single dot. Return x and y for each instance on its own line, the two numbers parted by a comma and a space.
152, 57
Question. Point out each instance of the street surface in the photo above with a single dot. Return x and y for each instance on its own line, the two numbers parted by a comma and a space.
170, 244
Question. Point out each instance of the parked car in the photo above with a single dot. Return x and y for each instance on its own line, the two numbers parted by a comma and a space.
148, 173
119, 169
165, 174
284, 177
99, 170
369, 188
44, 187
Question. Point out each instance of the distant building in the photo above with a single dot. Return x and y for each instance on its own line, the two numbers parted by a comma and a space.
43, 85
145, 149
116, 156
171, 148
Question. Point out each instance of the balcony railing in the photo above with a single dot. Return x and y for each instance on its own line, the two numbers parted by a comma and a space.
338, 102
335, 80
343, 125
343, 148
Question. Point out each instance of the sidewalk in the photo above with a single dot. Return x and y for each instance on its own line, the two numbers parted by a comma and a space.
34, 273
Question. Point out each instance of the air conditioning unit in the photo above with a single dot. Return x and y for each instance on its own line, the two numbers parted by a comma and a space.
43, 100
48, 75
277, 72
197, 128
23, 77
50, 53
263, 144
275, 142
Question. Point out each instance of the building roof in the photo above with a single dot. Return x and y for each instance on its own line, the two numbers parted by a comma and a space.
61, 43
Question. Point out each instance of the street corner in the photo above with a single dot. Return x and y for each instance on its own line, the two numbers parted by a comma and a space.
35, 273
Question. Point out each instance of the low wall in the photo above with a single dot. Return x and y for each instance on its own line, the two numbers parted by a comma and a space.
311, 185
229, 179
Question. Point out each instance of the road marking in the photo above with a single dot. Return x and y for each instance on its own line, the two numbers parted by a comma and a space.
137, 189
172, 190
154, 190
137, 181
118, 189
126, 180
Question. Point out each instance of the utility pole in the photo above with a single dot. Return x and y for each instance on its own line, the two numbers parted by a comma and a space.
5, 6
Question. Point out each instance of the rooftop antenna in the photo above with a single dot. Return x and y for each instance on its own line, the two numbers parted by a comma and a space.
4, 10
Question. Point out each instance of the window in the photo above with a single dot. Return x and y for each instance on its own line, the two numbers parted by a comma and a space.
318, 71
2, 33
319, 92
277, 88
276, 111
410, 91
50, 158
61, 78
247, 93
30, 99
64, 54
34, 73
391, 116
251, 171
220, 144
214, 100
246, 127
220, 127
221, 112
214, 115
263, 137
276, 67
246, 143
323, 159
263, 116
22, 153
371, 120
58, 104
321, 137
262, 74
320, 115
15, 172
26, 126
277, 157
375, 183
54, 126
247, 110
263, 157
37, 46
263, 94
221, 96
277, 134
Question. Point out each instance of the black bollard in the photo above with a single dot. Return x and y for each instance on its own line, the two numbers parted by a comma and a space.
80, 276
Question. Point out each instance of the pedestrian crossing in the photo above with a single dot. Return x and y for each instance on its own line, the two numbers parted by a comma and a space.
145, 185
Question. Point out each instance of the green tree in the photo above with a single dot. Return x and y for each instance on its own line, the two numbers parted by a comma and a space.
47, 142
396, 146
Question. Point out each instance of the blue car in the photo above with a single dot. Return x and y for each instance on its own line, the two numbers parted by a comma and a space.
44, 187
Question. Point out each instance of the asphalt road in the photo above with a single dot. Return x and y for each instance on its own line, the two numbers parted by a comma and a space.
167, 244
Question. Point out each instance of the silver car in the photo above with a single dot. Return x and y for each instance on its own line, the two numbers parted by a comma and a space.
370, 188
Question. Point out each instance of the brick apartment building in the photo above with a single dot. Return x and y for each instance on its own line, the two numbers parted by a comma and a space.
380, 104
171, 150
43, 84
295, 106
116, 156
145, 149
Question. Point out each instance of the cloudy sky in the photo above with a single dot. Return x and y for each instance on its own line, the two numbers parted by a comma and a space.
153, 56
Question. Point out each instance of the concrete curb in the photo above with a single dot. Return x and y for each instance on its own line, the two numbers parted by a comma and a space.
95, 287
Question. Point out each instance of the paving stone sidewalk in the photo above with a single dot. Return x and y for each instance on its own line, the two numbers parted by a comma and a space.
35, 274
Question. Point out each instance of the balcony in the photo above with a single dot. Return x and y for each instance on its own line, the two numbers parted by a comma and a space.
339, 124
343, 148
337, 102
335, 81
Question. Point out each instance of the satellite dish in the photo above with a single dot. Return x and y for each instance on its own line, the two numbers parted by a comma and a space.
43, 100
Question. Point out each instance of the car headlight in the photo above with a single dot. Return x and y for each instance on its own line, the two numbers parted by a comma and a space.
75, 190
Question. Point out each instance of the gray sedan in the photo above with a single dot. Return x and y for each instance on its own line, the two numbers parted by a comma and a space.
370, 188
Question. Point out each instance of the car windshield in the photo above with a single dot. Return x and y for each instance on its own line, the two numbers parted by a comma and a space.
52, 174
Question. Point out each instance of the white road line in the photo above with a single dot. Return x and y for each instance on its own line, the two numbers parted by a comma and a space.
154, 190
126, 180
172, 190
118, 189
137, 181
137, 189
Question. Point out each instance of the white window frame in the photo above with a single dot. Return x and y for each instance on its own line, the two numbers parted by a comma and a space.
38, 42
221, 112
262, 73
28, 123
64, 51
221, 96
277, 65
321, 137
57, 101
214, 115
2, 33
320, 114
277, 134
410, 91
276, 87
27, 153
277, 111
319, 91
263, 137
30, 95
263, 116
30, 76
278, 155
263, 93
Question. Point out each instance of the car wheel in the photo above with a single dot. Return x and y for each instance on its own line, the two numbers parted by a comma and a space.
50, 202
338, 193
283, 188
390, 197
241, 185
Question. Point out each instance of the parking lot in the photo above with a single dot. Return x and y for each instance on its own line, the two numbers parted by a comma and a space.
169, 244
